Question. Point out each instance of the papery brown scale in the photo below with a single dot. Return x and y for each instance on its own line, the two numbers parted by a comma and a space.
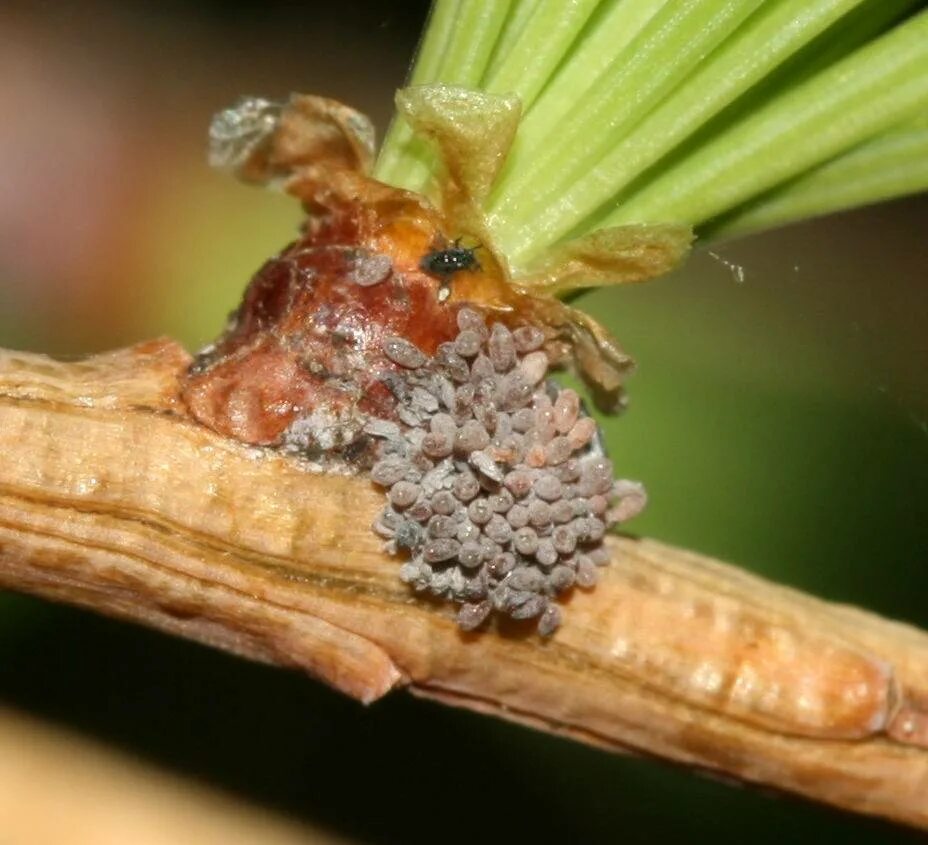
314, 334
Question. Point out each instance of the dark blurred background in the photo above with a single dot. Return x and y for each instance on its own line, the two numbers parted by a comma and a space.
779, 418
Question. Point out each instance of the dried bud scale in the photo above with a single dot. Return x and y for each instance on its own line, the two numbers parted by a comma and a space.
512, 482
364, 346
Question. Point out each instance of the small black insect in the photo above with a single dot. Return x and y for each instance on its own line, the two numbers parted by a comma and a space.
450, 259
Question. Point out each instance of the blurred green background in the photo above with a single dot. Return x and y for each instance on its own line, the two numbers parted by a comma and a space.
779, 418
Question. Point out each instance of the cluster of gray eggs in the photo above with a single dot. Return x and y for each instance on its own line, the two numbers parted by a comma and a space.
498, 490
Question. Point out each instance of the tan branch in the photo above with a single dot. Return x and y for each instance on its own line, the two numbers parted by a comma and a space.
112, 498
56, 788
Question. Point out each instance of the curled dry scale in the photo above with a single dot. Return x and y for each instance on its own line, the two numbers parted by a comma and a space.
378, 344
378, 411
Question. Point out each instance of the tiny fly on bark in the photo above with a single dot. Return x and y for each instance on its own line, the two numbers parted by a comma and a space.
445, 262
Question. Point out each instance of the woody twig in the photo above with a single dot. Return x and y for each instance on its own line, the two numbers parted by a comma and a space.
113, 498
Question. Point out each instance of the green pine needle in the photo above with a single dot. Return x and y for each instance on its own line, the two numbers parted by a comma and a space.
519, 15
549, 161
544, 39
885, 167
456, 50
868, 92
776, 33
728, 115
